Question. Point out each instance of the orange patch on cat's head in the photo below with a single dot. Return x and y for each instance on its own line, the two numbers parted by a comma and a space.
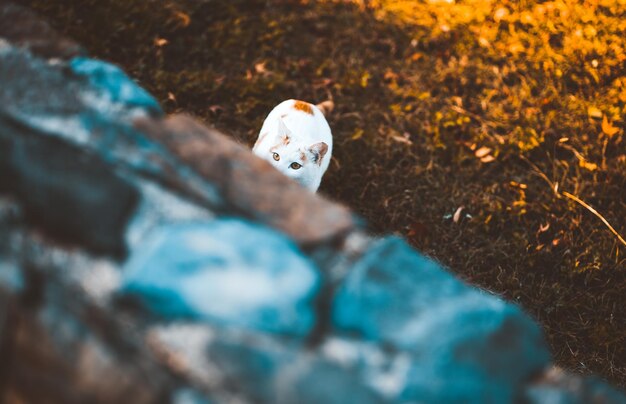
303, 156
303, 106
284, 141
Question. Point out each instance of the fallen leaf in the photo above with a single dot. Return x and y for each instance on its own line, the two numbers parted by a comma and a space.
417, 230
365, 79
260, 68
160, 42
482, 152
608, 128
357, 134
594, 112
500, 14
401, 139
183, 18
587, 165
487, 159
457, 215
215, 108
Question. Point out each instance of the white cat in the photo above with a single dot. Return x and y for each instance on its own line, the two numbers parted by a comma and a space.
296, 139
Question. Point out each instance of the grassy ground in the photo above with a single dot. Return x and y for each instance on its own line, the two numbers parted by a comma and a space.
502, 112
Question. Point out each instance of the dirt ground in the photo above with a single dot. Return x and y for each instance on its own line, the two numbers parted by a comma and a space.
478, 130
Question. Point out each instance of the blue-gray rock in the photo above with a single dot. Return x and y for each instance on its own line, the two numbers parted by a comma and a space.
282, 371
329, 383
67, 192
69, 151
557, 387
467, 346
229, 271
93, 107
114, 83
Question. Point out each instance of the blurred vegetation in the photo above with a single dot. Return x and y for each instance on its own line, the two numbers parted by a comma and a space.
462, 126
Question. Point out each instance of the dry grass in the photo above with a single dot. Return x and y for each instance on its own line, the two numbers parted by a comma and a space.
499, 107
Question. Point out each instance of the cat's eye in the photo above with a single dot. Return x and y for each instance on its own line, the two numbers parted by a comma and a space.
276, 156
295, 166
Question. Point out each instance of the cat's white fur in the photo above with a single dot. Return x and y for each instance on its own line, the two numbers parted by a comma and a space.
296, 132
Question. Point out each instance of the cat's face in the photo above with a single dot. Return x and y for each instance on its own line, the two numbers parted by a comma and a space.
301, 162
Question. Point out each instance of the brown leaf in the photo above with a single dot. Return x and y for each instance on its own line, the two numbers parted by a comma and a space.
608, 128
183, 18
159, 42
587, 165
260, 68
215, 108
417, 230
401, 139
482, 152
457, 215
357, 134
594, 112
487, 159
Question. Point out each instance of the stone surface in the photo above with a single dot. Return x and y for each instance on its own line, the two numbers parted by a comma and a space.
227, 271
250, 184
113, 82
92, 112
63, 349
23, 28
262, 368
463, 341
95, 113
67, 148
558, 387
66, 191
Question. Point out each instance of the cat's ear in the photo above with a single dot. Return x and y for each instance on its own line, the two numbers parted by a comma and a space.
318, 151
283, 131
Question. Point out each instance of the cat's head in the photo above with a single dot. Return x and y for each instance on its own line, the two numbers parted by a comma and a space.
301, 162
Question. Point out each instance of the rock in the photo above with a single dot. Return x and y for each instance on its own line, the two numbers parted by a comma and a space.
23, 28
69, 151
275, 371
227, 271
95, 113
115, 84
62, 349
383, 370
466, 346
326, 382
246, 366
558, 387
251, 185
67, 192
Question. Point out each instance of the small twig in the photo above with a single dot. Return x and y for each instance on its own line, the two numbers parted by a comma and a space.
476, 117
553, 186
595, 212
